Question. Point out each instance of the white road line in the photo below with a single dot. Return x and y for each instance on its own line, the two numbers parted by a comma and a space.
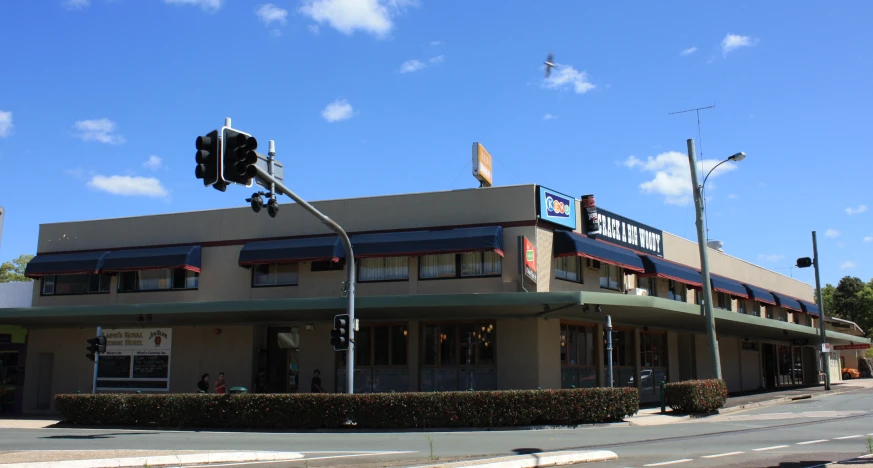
684, 460
310, 458
849, 437
723, 455
812, 442
769, 448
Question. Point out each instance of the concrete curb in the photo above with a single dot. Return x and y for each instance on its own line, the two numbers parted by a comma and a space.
532, 460
783, 400
160, 460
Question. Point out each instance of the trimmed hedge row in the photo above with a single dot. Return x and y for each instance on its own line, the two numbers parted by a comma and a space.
697, 396
371, 411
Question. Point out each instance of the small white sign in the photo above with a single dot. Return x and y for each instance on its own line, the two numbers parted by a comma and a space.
826, 347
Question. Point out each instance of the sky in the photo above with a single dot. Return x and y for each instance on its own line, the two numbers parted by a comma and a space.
101, 102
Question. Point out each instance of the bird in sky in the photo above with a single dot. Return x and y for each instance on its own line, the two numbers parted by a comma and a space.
550, 63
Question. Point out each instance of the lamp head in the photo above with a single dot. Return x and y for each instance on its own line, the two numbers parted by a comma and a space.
737, 157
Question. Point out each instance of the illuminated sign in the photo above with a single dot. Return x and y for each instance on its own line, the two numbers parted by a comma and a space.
556, 207
482, 165
528, 254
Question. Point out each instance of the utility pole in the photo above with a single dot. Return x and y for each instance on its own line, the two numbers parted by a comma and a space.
96, 361
825, 357
609, 349
704, 264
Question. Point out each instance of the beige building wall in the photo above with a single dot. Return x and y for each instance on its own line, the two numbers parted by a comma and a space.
69, 371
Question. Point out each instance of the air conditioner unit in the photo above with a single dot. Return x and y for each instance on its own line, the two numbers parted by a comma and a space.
639, 292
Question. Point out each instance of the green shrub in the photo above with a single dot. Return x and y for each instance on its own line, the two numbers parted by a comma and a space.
697, 396
371, 411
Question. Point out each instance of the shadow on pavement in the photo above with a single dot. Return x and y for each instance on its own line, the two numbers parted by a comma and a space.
93, 436
526, 451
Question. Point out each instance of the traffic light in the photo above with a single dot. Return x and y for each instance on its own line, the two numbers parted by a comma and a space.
339, 336
95, 346
208, 159
804, 262
239, 157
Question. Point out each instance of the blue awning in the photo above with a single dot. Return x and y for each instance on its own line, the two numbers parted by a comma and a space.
65, 264
660, 268
787, 302
761, 295
568, 243
186, 257
809, 307
413, 243
308, 249
728, 286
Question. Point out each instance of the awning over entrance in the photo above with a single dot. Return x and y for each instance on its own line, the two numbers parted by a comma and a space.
186, 257
809, 307
661, 268
761, 295
65, 264
308, 249
787, 302
412, 243
728, 286
568, 244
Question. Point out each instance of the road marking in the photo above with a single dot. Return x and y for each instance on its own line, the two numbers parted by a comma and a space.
684, 460
313, 458
723, 455
769, 448
812, 442
849, 437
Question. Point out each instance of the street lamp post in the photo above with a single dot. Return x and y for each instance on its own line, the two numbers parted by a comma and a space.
704, 257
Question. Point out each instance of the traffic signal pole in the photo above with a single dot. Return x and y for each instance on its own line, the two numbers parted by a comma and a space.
96, 360
825, 357
350, 265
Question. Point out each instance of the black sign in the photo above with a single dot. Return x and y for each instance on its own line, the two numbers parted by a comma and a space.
800, 341
151, 367
133, 384
113, 367
628, 233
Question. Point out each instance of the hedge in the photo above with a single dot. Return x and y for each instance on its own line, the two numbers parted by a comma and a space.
697, 396
371, 411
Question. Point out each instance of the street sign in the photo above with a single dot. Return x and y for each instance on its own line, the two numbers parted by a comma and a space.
482, 165
851, 346
826, 347
2, 213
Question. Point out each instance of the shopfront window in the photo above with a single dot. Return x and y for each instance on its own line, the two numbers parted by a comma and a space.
57, 285
275, 274
653, 362
458, 356
381, 363
569, 268
785, 373
383, 269
622, 357
164, 279
611, 277
577, 356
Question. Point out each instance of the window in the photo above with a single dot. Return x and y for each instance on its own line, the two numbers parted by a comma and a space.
611, 277
164, 279
742, 306
380, 346
469, 265
782, 315
577, 345
56, 285
328, 265
802, 319
722, 300
383, 269
275, 274
678, 291
569, 268
648, 284
457, 344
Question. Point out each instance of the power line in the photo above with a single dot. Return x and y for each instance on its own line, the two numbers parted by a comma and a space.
697, 110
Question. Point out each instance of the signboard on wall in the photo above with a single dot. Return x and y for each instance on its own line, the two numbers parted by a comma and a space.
482, 165
527, 259
628, 233
851, 346
135, 359
556, 207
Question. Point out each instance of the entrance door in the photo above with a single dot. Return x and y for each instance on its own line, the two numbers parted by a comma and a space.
44, 385
768, 355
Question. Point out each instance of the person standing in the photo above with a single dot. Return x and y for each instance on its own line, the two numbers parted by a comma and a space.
315, 386
203, 385
220, 384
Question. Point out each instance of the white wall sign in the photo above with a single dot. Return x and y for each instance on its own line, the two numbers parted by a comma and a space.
135, 359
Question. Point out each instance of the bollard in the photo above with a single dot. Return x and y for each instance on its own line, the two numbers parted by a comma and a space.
663, 397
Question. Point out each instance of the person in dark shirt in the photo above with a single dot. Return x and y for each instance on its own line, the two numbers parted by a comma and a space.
316, 382
203, 385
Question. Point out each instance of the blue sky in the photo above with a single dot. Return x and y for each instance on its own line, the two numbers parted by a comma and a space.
101, 101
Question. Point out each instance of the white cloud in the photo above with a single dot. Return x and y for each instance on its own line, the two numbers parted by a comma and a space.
565, 76
848, 264
313, 28
153, 163
859, 209
102, 130
733, 196
437, 59
208, 5
410, 66
269, 13
5, 123
129, 186
76, 4
770, 257
868, 238
688, 51
832, 233
435, 43
732, 42
672, 175
347, 16
549, 117
337, 110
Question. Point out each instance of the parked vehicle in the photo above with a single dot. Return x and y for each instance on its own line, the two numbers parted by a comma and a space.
850, 373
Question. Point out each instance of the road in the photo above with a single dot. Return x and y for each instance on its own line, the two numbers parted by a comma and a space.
815, 430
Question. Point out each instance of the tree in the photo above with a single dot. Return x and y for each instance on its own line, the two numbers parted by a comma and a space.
13, 270
852, 299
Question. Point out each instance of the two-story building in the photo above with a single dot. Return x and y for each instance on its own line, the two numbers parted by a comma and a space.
489, 288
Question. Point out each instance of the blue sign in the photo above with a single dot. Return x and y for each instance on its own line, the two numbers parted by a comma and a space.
556, 207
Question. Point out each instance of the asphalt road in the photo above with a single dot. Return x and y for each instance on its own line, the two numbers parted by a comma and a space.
825, 429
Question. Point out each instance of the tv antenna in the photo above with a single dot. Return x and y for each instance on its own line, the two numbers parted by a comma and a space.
700, 145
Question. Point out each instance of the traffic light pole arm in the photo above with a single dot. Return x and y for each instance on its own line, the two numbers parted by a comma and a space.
350, 268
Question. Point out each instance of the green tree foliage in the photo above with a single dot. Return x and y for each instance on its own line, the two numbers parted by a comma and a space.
13, 270
852, 299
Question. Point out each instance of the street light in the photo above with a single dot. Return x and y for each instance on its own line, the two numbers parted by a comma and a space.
735, 158
704, 257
